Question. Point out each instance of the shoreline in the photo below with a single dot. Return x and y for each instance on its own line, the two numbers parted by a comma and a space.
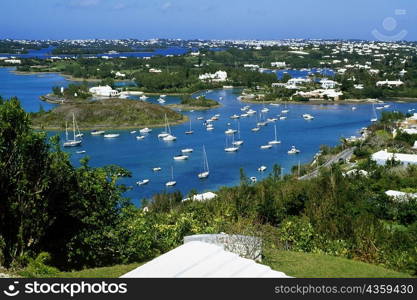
184, 107
340, 102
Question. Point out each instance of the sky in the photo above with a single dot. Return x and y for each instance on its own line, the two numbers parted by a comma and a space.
209, 19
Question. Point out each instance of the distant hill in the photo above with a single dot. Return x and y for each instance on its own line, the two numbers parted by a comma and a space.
106, 114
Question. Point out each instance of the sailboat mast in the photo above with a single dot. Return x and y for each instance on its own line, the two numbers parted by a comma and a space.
66, 130
275, 128
73, 124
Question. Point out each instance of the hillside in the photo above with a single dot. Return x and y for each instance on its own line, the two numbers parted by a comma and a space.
106, 114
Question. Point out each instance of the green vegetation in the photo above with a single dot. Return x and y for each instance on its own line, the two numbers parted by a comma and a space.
200, 101
107, 113
105, 272
79, 217
308, 265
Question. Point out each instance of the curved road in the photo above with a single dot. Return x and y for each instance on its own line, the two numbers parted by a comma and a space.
345, 155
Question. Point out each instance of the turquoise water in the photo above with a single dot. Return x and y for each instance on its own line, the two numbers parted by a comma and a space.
139, 156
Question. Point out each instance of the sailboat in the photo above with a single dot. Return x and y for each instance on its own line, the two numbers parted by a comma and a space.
79, 134
275, 141
164, 133
172, 182
230, 149
239, 141
206, 171
189, 131
168, 137
375, 118
74, 142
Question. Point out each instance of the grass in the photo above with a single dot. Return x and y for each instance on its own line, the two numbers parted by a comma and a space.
106, 114
105, 272
308, 265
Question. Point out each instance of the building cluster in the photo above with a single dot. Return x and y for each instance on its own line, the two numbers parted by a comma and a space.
219, 76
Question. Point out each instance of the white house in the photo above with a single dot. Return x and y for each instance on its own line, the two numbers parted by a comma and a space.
152, 70
297, 81
197, 259
219, 76
118, 74
400, 196
328, 84
390, 83
13, 61
278, 64
251, 66
201, 197
383, 156
103, 91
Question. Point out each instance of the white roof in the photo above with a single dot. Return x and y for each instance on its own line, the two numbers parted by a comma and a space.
384, 155
202, 197
202, 260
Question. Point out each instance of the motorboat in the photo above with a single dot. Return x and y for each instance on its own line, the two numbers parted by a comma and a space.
142, 182
97, 132
145, 130
180, 157
262, 168
112, 135
293, 150
187, 150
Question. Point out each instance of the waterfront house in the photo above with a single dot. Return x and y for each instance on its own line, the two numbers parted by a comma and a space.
103, 91
278, 64
328, 84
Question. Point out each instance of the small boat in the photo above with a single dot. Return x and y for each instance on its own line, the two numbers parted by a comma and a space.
230, 149
180, 157
169, 138
379, 107
234, 117
271, 120
81, 152
143, 98
308, 117
172, 182
274, 104
265, 147
200, 118
262, 168
275, 141
293, 150
112, 135
282, 118
285, 111
162, 96
161, 101
239, 142
251, 112
145, 130
354, 108
256, 129
206, 172
244, 115
189, 131
230, 131
140, 137
262, 123
142, 182
210, 128
265, 110
187, 150
253, 179
156, 169
97, 132
387, 106
74, 142
133, 132
375, 117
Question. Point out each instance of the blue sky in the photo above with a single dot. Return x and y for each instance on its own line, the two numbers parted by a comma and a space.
207, 19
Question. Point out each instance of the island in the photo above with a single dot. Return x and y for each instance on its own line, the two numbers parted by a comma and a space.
112, 113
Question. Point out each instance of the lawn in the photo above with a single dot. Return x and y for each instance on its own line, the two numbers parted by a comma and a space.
308, 265
106, 272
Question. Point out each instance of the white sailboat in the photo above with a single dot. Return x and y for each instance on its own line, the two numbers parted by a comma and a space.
97, 132
375, 118
230, 149
275, 141
74, 142
79, 134
190, 131
206, 171
172, 182
239, 141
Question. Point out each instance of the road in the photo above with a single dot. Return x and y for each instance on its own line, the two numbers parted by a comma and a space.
345, 155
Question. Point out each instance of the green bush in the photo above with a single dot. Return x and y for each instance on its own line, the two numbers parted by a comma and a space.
38, 267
